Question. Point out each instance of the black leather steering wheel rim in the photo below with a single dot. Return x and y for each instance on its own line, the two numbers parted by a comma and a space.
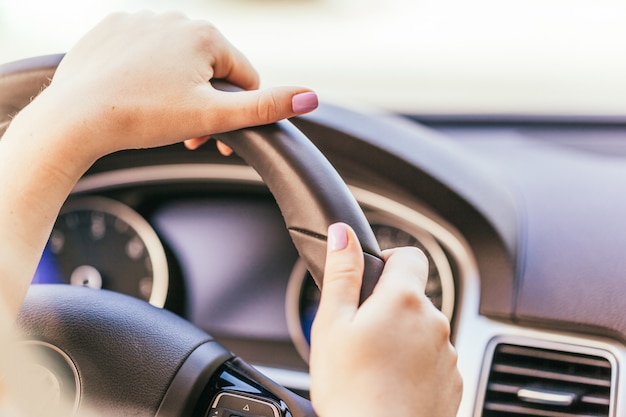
310, 193
103, 326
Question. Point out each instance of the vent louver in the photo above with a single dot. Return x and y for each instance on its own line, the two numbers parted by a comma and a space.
532, 382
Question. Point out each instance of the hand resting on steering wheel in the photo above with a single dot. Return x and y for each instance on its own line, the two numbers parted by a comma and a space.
142, 80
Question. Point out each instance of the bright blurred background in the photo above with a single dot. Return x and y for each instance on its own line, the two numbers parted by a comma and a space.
560, 57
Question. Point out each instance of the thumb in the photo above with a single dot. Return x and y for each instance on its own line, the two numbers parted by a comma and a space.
260, 107
343, 274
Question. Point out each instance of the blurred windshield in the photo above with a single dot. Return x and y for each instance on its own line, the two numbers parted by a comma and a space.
558, 57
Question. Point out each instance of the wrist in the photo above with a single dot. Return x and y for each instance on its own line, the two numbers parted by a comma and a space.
52, 137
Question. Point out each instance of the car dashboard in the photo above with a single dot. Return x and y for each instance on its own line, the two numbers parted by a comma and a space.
522, 225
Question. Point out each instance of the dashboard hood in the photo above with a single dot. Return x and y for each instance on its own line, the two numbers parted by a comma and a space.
466, 191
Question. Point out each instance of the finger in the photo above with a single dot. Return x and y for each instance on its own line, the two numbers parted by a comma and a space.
236, 110
343, 274
232, 65
224, 149
195, 143
404, 266
259, 107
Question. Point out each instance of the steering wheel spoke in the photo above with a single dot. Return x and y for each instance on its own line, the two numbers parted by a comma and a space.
237, 389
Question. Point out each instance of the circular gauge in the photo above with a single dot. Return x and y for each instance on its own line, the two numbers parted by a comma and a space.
303, 295
98, 243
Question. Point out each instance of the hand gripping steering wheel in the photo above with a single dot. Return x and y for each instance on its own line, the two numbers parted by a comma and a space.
129, 358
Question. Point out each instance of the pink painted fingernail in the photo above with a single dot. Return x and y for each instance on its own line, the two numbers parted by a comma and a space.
304, 102
337, 237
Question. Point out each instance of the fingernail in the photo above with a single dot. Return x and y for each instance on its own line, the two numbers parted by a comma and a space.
304, 102
337, 237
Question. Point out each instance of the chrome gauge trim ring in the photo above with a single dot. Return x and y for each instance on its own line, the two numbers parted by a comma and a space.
150, 239
292, 309
472, 333
382, 217
377, 210
432, 229
238, 174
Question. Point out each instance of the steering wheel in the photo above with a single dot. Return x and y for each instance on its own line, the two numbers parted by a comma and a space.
122, 356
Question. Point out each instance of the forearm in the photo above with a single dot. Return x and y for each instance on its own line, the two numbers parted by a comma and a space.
38, 168
134, 81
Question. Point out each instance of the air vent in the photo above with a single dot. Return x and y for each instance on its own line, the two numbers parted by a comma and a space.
532, 382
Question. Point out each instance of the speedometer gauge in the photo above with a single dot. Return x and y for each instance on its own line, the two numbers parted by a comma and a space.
101, 243
303, 295
389, 237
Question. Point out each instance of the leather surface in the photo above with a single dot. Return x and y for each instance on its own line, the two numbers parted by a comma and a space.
126, 351
308, 190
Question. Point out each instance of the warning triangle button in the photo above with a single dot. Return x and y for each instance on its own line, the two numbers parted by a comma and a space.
242, 406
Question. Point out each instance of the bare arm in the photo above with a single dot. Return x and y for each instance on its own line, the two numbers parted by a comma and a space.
134, 81
141, 80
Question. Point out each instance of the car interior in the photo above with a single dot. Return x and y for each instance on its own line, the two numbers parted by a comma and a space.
521, 218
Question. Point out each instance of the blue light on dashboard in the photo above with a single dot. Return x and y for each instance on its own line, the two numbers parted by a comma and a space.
308, 315
48, 271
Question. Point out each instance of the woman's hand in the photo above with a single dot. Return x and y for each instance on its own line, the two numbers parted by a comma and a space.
134, 81
391, 356
142, 80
